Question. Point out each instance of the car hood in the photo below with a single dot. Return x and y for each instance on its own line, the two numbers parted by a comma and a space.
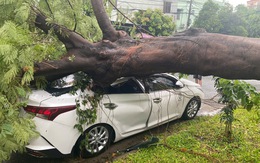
189, 83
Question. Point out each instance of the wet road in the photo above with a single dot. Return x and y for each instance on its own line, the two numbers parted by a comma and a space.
209, 90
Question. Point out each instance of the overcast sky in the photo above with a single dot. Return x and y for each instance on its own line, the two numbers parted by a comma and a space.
237, 2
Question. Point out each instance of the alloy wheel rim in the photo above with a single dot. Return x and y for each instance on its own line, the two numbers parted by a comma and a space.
192, 108
98, 138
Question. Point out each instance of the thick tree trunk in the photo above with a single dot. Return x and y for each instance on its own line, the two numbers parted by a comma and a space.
191, 52
225, 56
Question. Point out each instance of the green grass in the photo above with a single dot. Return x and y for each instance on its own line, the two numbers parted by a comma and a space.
202, 140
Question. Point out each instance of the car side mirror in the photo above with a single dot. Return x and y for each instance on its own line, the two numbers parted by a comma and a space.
179, 84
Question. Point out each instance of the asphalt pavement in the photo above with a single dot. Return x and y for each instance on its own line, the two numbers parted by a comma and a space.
210, 105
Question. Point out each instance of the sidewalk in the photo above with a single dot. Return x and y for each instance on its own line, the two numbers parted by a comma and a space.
209, 108
209, 104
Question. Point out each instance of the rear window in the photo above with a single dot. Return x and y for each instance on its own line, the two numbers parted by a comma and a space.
61, 86
65, 82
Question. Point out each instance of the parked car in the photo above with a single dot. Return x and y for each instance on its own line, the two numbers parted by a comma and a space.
129, 106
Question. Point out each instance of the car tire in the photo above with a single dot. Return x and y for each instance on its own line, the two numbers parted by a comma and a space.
191, 109
97, 139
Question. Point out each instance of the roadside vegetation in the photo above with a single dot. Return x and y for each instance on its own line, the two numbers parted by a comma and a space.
203, 140
224, 19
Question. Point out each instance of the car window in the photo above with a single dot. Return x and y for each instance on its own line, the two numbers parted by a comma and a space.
129, 86
161, 83
65, 82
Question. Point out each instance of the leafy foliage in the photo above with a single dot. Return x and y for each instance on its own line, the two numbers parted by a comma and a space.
224, 19
15, 131
15, 43
235, 93
252, 25
87, 103
73, 17
208, 18
15, 56
22, 45
231, 22
158, 24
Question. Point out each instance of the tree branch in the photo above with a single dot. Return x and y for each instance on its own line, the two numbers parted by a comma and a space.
49, 7
138, 27
70, 38
109, 32
75, 18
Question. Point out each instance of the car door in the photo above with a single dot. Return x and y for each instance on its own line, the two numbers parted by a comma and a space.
127, 106
165, 99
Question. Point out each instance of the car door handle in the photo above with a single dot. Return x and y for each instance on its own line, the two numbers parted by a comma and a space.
110, 106
157, 100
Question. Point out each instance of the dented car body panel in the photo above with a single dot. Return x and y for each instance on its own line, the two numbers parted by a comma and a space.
129, 106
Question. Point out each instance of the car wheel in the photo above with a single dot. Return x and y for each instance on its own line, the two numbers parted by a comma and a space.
192, 108
95, 141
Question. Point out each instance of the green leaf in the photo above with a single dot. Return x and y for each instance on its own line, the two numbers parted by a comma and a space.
10, 74
22, 13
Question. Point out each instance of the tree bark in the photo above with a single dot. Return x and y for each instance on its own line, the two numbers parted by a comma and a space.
191, 52
109, 32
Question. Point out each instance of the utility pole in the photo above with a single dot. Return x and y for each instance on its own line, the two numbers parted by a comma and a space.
189, 13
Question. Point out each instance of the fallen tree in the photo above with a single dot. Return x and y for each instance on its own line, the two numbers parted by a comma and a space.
193, 52
116, 55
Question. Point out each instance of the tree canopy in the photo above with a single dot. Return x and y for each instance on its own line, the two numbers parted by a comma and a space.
208, 18
224, 19
157, 23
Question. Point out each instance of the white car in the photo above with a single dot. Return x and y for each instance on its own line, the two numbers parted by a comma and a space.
128, 107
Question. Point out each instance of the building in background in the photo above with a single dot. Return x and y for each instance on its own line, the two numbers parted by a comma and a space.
253, 3
183, 12
186, 12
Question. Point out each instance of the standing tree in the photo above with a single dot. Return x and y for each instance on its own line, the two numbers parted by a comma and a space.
208, 18
235, 94
52, 39
253, 27
157, 23
225, 20
232, 23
